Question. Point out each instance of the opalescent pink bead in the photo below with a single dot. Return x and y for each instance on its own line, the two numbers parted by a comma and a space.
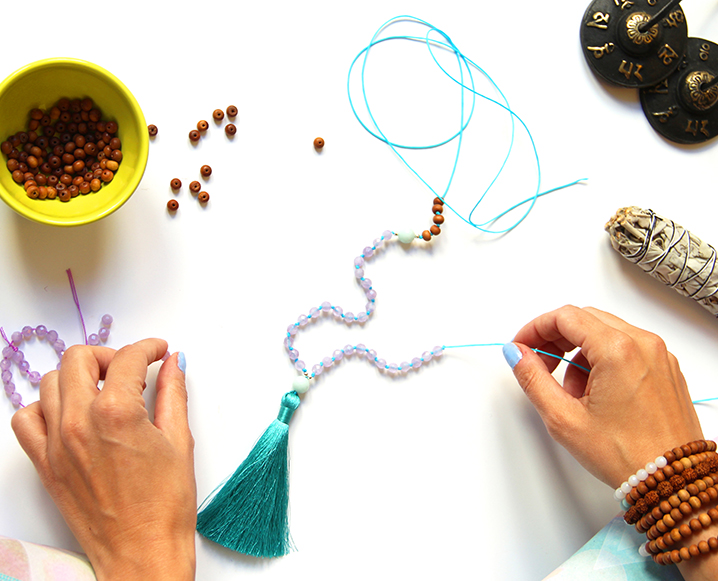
302, 320
93, 339
359, 272
393, 367
378, 243
299, 365
387, 234
416, 363
338, 355
313, 311
426, 356
359, 262
365, 283
34, 377
317, 370
292, 329
327, 361
362, 317
438, 351
405, 366
103, 333
370, 307
338, 312
107, 320
349, 318
360, 349
370, 354
368, 251
348, 350
380, 363
16, 399
371, 294
326, 306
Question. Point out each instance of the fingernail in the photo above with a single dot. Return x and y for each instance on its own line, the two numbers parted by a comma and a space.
512, 354
181, 362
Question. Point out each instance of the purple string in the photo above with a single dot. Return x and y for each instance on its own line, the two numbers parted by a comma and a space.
77, 303
4, 336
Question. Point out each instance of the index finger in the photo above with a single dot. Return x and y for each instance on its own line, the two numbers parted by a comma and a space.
126, 373
567, 328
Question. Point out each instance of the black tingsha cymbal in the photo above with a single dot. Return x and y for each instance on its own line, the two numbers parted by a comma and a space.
684, 107
634, 43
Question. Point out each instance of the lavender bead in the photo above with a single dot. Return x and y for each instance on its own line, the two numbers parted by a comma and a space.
27, 332
368, 252
378, 243
59, 345
437, 351
7, 352
358, 262
362, 317
313, 312
370, 308
327, 362
317, 370
338, 312
393, 369
34, 378
380, 363
349, 318
405, 366
426, 356
415, 363
107, 320
5, 364
24, 367
292, 330
371, 294
16, 399
302, 320
9, 388
387, 234
365, 283
41, 331
18, 356
299, 365
103, 333
348, 350
338, 355
294, 354
6, 376
16, 338
93, 339
360, 349
288, 343
370, 354
326, 306
52, 336
359, 273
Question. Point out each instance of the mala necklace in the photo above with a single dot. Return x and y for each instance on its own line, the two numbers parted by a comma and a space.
248, 512
11, 353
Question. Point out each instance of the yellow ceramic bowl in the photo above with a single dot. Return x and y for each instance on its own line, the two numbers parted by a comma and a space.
41, 84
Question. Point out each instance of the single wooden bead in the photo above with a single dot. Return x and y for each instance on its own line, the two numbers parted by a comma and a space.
695, 525
175, 183
194, 135
674, 501
685, 530
705, 520
218, 114
676, 535
195, 187
693, 550
686, 449
660, 543
206, 171
668, 540
438, 200
230, 129
152, 129
642, 489
95, 185
685, 554
203, 197
670, 457
683, 495
703, 547
107, 176
318, 143
64, 196
701, 484
662, 528
426, 235
51, 193
678, 452
686, 463
713, 543
668, 521
695, 502
692, 489
676, 515
651, 482
678, 466
435, 230
675, 556
232, 111
686, 508
84, 187
172, 205
437, 209
439, 219
712, 492
202, 125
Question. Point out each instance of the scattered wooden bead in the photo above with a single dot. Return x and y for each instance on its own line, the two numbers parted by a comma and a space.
176, 184
194, 135
195, 187
232, 111
318, 143
152, 129
172, 205
206, 171
203, 197
218, 114
230, 130
202, 125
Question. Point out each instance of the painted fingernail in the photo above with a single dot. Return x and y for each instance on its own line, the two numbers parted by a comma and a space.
181, 362
512, 354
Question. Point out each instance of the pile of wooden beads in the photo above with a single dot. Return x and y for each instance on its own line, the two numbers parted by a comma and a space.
301, 384
218, 115
660, 497
11, 353
66, 151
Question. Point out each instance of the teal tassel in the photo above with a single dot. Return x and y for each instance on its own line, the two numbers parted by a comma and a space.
249, 513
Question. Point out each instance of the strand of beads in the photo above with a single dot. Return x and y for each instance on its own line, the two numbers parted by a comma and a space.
301, 383
11, 353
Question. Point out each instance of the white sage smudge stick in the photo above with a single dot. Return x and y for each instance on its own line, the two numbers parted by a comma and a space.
667, 252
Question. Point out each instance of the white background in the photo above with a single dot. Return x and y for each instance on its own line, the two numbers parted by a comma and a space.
448, 472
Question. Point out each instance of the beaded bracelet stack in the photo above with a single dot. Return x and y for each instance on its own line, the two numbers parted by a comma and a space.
659, 497
11, 353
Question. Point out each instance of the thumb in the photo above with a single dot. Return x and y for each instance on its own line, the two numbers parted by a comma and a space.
171, 404
557, 408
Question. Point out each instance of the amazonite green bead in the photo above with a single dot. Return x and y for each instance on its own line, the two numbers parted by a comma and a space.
405, 236
300, 384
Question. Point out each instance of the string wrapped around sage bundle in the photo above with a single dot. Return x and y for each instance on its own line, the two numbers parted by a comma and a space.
667, 252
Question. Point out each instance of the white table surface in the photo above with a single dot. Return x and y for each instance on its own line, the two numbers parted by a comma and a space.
448, 472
